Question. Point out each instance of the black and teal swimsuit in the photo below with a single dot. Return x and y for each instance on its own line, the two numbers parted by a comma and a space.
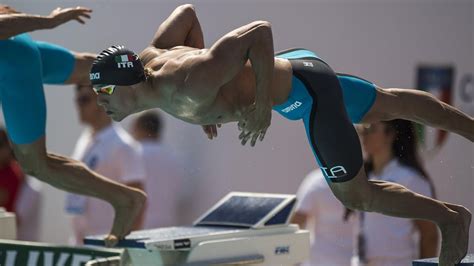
328, 103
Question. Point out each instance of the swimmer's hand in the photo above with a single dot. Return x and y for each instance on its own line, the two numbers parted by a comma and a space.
255, 123
62, 15
211, 130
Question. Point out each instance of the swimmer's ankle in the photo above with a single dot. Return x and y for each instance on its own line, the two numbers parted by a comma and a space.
451, 217
130, 198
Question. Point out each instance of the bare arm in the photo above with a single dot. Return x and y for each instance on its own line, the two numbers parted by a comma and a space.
18, 23
225, 60
429, 238
180, 28
14, 24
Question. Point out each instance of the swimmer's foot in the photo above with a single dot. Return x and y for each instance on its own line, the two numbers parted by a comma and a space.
455, 236
126, 213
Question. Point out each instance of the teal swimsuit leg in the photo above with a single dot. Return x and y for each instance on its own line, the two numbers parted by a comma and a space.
24, 66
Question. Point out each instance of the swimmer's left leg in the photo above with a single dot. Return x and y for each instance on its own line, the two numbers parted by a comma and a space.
421, 107
337, 148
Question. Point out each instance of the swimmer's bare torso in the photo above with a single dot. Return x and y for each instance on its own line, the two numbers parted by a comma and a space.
195, 104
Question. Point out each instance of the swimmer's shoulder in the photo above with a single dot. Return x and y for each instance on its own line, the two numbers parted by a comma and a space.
158, 56
150, 53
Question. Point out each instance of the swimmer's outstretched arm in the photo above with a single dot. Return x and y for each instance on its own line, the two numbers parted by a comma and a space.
225, 59
12, 24
182, 27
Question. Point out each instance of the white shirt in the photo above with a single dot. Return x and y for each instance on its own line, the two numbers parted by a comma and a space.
390, 239
113, 153
28, 207
162, 185
331, 237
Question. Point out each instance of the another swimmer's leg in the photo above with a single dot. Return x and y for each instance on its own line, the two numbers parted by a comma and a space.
395, 200
421, 107
75, 177
82, 67
63, 66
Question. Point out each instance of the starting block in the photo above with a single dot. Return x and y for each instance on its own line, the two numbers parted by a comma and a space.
467, 261
242, 228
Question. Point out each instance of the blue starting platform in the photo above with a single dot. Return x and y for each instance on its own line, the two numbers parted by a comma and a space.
467, 261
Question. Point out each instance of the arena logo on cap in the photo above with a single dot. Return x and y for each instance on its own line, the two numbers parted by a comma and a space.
124, 61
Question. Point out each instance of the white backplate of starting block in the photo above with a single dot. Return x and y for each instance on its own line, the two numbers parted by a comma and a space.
7, 225
242, 228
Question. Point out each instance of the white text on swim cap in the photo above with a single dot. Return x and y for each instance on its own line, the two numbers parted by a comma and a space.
124, 61
125, 65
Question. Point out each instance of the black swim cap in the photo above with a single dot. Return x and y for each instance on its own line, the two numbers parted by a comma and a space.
117, 65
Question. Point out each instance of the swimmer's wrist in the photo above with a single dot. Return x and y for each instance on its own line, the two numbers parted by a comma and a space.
50, 22
262, 104
263, 97
46, 22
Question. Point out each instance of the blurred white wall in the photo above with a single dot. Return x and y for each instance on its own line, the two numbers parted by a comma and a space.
382, 41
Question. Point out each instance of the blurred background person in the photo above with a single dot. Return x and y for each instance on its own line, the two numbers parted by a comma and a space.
28, 209
11, 176
319, 211
163, 172
18, 193
109, 150
391, 150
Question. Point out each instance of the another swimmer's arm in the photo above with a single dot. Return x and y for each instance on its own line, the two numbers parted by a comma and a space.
18, 23
182, 27
14, 24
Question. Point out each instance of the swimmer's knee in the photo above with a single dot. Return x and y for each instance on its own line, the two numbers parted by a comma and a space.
356, 201
31, 167
362, 203
355, 194
32, 162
